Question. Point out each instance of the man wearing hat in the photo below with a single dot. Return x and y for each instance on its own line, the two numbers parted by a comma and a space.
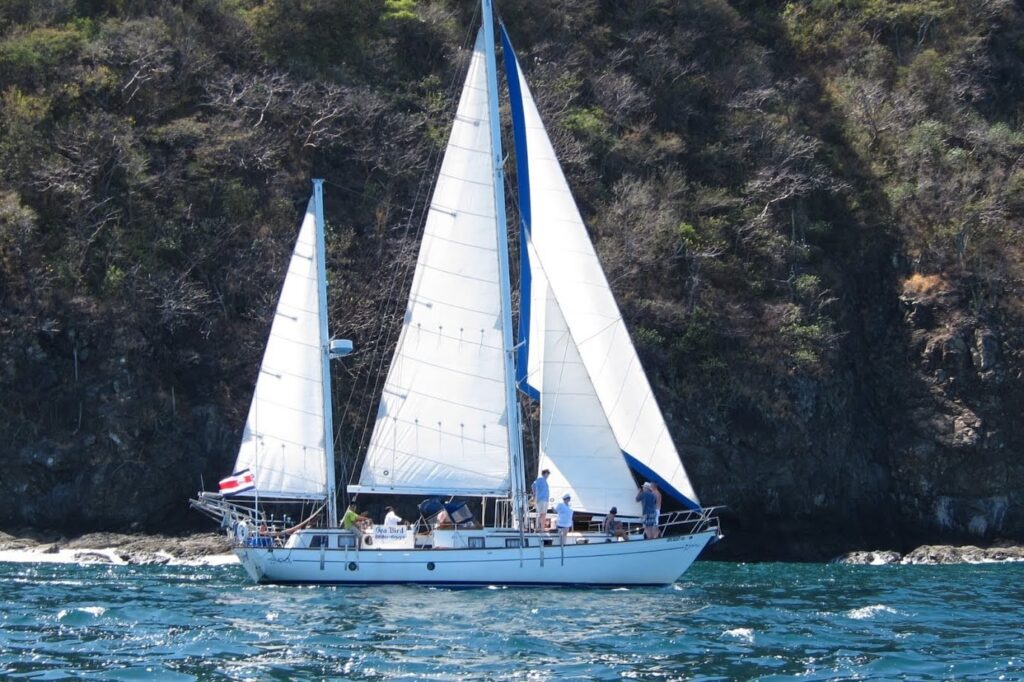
564, 512
648, 504
542, 498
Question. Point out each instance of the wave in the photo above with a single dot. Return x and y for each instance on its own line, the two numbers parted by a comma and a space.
870, 611
743, 634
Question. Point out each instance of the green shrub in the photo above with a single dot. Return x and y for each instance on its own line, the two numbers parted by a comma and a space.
113, 279
28, 59
399, 10
807, 286
590, 123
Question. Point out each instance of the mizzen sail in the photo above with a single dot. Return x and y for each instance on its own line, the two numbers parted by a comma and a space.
283, 439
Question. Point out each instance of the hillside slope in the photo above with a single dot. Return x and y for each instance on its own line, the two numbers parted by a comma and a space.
810, 213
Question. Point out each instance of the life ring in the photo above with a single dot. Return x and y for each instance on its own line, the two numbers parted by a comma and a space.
242, 532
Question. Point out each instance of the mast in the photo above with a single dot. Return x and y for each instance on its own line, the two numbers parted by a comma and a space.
325, 352
515, 445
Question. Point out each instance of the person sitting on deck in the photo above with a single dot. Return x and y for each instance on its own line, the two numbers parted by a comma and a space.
612, 526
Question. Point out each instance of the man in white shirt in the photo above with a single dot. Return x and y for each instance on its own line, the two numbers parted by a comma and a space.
564, 512
391, 519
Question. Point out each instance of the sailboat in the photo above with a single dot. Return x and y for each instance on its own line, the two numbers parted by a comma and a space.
448, 424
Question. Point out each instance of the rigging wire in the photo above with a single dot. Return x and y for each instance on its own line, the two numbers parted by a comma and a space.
395, 300
389, 308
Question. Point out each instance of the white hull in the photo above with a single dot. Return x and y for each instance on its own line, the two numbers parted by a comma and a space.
636, 562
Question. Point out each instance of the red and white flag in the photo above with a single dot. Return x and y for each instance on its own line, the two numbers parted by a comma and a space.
238, 482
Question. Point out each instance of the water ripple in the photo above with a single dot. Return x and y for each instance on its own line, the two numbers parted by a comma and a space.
723, 622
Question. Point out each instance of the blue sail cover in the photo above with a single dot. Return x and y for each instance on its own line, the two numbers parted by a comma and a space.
523, 183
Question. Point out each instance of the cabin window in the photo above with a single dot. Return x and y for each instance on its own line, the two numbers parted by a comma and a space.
516, 542
318, 541
346, 541
476, 543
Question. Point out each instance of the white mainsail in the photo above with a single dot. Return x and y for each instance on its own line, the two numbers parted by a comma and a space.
283, 440
441, 427
593, 388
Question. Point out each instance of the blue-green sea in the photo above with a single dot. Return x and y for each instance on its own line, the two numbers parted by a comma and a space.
721, 621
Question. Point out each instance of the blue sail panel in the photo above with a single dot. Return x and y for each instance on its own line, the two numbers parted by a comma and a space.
523, 182
647, 474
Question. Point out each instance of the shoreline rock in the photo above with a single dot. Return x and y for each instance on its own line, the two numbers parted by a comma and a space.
129, 548
1000, 552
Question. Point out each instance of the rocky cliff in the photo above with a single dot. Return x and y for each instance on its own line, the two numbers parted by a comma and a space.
809, 213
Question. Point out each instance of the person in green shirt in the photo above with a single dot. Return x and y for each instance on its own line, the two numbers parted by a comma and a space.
353, 520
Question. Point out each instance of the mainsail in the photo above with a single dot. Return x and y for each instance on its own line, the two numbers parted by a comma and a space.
283, 441
441, 426
599, 417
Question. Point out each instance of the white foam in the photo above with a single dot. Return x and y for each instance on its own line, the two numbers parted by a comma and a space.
94, 611
208, 560
110, 555
64, 556
744, 634
870, 611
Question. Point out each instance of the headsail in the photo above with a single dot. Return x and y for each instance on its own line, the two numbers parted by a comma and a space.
283, 440
584, 355
441, 427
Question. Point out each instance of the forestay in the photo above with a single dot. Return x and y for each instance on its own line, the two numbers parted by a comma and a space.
283, 440
441, 425
595, 397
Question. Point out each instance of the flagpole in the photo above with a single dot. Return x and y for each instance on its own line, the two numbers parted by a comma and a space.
256, 488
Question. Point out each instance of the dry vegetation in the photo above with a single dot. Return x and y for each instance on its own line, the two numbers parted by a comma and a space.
761, 181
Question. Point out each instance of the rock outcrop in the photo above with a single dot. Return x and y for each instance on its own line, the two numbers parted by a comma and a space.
938, 554
118, 547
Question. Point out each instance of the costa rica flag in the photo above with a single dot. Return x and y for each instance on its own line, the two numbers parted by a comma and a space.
238, 482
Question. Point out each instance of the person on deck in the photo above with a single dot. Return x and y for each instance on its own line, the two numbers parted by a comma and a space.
564, 512
657, 503
391, 519
353, 520
647, 501
612, 526
541, 497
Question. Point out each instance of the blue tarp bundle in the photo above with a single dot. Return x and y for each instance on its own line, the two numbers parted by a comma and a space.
458, 512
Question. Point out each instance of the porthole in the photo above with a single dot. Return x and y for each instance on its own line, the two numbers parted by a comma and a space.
352, 566
430, 565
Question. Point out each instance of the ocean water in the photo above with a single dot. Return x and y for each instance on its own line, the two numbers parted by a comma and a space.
720, 622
